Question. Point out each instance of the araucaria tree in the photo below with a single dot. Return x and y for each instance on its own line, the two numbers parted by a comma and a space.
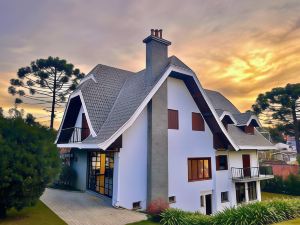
46, 82
281, 107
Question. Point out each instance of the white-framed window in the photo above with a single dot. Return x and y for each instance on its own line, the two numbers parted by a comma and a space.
224, 196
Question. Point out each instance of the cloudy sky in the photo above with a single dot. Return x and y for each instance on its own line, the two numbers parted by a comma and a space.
241, 48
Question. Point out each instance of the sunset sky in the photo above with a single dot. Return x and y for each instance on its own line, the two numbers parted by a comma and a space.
240, 48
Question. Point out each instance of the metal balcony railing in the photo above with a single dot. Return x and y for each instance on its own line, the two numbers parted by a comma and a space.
73, 135
251, 173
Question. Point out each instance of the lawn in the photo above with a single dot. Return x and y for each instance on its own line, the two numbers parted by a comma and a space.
36, 215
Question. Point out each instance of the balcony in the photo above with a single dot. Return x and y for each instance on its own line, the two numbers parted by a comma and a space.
73, 135
251, 174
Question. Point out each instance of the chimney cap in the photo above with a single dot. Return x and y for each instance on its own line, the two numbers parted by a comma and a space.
156, 34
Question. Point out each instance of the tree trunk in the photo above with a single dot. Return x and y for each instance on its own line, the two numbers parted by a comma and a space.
53, 102
296, 127
2, 212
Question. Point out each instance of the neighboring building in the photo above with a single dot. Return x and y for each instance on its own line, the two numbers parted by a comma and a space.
285, 153
157, 134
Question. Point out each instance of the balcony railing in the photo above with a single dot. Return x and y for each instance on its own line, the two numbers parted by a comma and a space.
251, 173
73, 135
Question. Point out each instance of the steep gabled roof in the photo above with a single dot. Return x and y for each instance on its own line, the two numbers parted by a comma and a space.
113, 97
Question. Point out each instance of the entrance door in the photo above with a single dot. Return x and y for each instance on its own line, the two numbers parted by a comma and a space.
246, 166
208, 204
100, 174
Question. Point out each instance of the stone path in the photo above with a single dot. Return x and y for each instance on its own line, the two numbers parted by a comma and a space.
77, 208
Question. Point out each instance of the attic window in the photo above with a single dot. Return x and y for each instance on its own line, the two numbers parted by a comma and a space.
249, 129
136, 205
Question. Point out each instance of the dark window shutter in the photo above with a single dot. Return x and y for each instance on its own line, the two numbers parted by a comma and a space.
197, 122
217, 163
249, 129
173, 122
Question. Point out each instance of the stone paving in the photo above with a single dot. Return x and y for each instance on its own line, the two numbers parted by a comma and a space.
77, 208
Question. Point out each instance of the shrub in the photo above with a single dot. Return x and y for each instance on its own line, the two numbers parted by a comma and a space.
290, 186
29, 161
180, 217
259, 213
67, 176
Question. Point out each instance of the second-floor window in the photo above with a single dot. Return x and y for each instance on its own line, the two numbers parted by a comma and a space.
221, 162
173, 122
199, 169
197, 122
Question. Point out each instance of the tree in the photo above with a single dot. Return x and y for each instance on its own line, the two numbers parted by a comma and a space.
280, 106
28, 162
46, 82
1, 112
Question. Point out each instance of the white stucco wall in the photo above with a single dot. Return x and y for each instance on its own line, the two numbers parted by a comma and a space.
185, 143
130, 173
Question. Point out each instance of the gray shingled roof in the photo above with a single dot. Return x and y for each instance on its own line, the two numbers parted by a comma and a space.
116, 95
220, 102
131, 95
243, 139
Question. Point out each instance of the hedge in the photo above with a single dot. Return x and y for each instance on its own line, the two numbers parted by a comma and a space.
259, 213
289, 186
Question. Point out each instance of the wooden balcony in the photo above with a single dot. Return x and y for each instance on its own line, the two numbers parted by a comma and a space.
251, 174
73, 135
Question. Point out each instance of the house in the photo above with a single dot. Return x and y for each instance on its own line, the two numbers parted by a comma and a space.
285, 153
157, 134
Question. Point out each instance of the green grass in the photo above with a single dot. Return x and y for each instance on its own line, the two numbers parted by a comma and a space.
265, 196
36, 215
290, 222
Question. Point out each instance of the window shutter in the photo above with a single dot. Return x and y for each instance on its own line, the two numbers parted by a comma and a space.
217, 163
197, 122
173, 122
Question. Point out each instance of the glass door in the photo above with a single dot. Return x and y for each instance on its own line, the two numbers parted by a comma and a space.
100, 173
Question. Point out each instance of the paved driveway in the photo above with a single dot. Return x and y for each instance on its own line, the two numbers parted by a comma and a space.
78, 208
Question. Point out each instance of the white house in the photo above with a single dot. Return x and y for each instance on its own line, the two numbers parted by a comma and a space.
157, 134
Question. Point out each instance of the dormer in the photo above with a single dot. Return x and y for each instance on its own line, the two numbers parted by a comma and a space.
227, 118
247, 122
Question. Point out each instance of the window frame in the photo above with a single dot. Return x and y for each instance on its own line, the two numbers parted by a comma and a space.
190, 169
227, 197
252, 190
218, 162
195, 126
171, 125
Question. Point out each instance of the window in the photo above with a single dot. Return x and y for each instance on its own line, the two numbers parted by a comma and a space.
224, 196
173, 119
136, 205
172, 199
221, 162
202, 201
197, 122
199, 169
252, 191
240, 192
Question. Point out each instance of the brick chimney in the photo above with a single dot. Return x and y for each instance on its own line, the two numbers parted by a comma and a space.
156, 54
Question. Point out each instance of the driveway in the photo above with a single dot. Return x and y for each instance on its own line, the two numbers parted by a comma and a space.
77, 208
